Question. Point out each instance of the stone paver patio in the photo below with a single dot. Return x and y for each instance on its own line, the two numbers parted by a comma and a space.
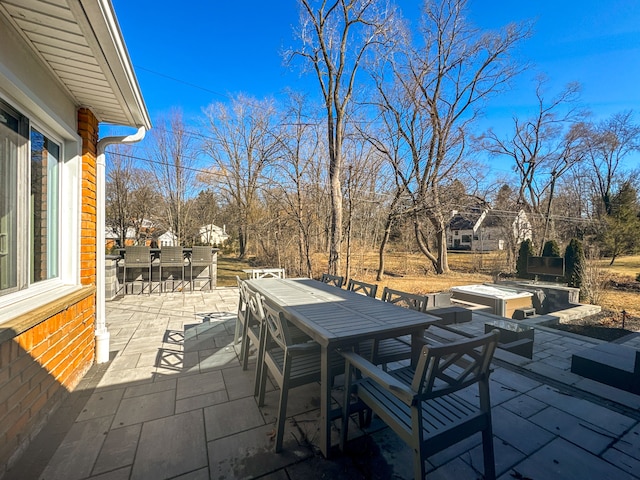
174, 403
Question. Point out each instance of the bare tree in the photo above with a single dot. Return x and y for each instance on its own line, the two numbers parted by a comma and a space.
301, 150
119, 191
542, 149
174, 167
436, 93
608, 143
335, 37
243, 140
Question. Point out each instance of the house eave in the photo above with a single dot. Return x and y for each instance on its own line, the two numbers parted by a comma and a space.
81, 45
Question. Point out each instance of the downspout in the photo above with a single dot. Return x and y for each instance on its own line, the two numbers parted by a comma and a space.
102, 335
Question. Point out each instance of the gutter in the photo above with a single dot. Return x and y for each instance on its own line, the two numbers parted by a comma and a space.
102, 335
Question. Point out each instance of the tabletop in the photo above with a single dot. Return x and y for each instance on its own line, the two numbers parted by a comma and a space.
331, 315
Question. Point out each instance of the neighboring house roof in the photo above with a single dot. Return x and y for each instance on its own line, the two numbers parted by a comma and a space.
80, 43
473, 218
465, 221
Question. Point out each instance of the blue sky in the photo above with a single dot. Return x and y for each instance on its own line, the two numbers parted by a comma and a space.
216, 47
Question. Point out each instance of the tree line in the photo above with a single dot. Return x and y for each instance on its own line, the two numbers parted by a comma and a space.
385, 150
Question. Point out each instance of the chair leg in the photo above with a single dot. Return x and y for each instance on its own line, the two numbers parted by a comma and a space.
344, 430
282, 410
262, 386
262, 345
418, 465
488, 454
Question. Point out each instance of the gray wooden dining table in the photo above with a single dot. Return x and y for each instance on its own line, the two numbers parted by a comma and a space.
337, 318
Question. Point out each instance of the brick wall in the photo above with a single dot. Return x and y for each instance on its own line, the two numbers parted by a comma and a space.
88, 130
38, 368
46, 352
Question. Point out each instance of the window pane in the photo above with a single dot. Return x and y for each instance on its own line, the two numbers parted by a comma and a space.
12, 142
44, 207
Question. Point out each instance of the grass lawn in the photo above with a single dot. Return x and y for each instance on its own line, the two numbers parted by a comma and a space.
412, 273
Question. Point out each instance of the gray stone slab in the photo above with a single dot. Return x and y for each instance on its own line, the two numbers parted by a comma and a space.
249, 454
232, 417
101, 404
201, 474
144, 408
194, 385
587, 411
519, 432
629, 443
514, 380
505, 457
629, 464
171, 446
123, 362
201, 401
239, 383
120, 474
155, 387
524, 406
74, 458
574, 429
563, 460
220, 358
118, 450
126, 378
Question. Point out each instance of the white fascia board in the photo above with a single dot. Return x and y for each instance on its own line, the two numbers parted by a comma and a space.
98, 21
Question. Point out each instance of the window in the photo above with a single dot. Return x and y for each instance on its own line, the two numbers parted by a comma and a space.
29, 203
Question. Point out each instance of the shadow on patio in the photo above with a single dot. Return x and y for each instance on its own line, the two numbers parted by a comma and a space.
175, 403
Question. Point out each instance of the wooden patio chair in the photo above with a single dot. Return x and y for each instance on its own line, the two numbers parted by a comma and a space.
395, 349
404, 299
269, 273
252, 327
368, 289
137, 257
335, 280
291, 364
425, 405
241, 316
171, 258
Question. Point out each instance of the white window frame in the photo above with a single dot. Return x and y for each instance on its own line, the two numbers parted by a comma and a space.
69, 213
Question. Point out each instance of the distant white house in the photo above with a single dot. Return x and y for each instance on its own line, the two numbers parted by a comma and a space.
167, 239
486, 229
213, 234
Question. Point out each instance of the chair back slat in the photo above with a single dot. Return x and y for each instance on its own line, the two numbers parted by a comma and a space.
368, 289
444, 369
171, 257
277, 325
335, 280
404, 299
201, 256
138, 255
269, 273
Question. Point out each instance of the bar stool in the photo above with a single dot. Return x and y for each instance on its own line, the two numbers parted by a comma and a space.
202, 257
171, 257
137, 257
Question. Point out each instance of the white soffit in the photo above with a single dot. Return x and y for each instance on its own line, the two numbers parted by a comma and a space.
80, 42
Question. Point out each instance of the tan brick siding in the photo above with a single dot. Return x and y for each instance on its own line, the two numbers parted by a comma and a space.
41, 365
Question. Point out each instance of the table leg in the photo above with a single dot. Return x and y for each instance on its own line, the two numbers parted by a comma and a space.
325, 403
416, 346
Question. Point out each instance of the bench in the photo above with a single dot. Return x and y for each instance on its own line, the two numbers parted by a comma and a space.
611, 364
450, 314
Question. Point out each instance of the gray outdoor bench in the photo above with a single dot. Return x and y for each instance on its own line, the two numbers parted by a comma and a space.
611, 364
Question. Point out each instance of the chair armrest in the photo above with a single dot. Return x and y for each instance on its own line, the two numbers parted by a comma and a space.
303, 347
382, 378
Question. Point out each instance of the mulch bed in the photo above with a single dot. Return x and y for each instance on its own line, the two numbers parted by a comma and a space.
606, 325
